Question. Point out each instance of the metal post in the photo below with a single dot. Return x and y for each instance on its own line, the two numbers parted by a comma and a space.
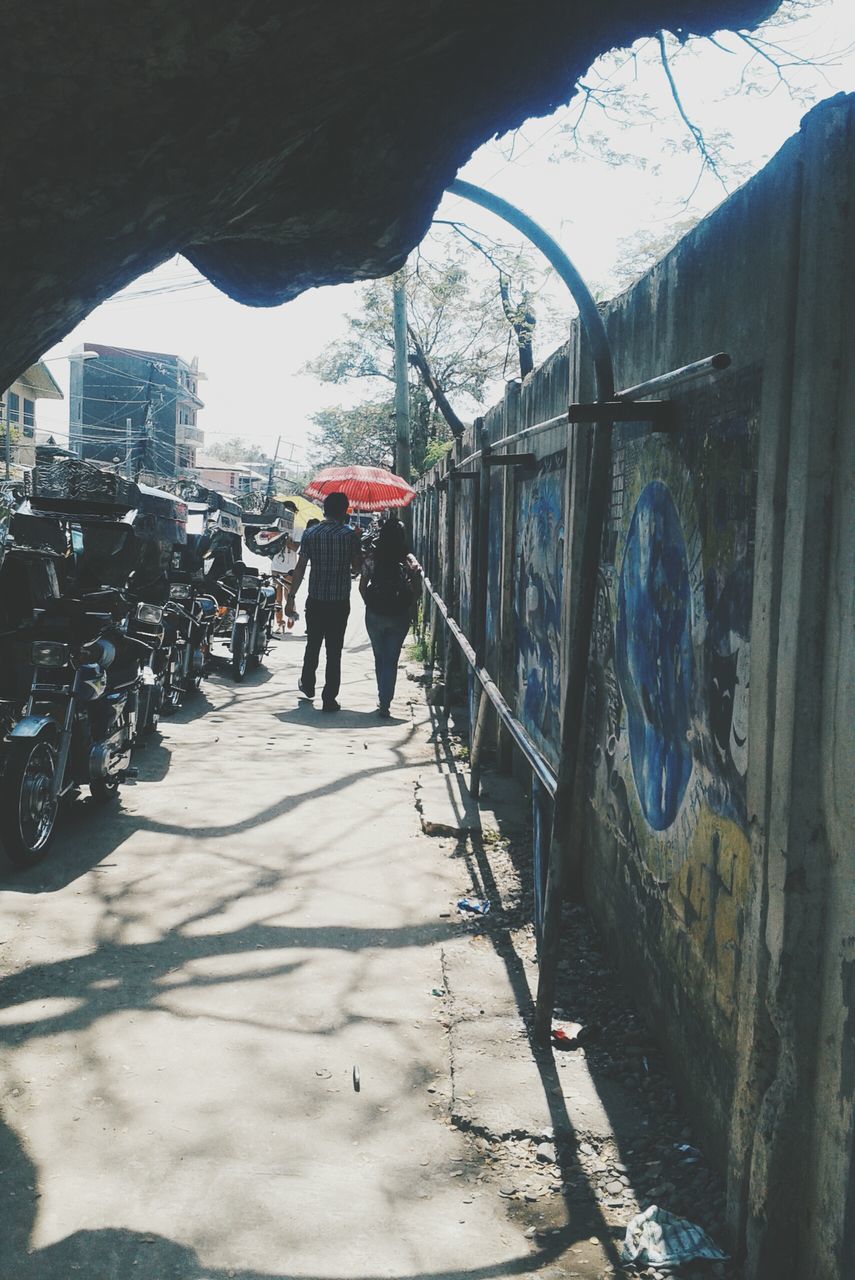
128, 441
402, 391
272, 468
601, 454
448, 576
506, 656
478, 743
479, 603
433, 560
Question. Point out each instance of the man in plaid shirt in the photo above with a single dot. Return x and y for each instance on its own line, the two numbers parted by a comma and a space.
332, 549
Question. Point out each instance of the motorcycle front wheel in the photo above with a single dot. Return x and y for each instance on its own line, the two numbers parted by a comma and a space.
258, 645
240, 653
27, 812
149, 713
173, 681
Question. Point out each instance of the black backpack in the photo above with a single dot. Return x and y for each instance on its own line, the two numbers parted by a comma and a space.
388, 588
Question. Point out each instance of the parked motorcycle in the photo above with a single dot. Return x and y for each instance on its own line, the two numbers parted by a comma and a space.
159, 525
80, 720
247, 601
192, 615
72, 669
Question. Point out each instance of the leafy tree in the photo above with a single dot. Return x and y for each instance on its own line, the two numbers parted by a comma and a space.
639, 252
435, 452
235, 449
463, 321
361, 436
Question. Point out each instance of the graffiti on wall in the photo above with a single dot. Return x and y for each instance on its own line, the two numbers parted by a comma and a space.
494, 559
464, 553
538, 595
668, 700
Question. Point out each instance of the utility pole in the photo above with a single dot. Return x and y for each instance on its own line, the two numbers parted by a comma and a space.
402, 391
272, 465
129, 466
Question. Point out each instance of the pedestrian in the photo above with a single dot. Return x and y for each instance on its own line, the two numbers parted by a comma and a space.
282, 565
389, 586
331, 548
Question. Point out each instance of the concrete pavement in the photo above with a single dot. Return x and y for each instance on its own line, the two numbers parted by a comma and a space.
189, 984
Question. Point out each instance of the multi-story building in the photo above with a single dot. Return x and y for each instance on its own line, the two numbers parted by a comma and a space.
18, 413
234, 478
135, 408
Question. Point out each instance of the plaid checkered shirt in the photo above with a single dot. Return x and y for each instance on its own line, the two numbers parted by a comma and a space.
329, 548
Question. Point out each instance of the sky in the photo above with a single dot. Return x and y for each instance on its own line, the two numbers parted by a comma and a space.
590, 197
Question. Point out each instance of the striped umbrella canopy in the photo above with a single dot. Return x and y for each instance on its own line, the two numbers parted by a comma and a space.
367, 488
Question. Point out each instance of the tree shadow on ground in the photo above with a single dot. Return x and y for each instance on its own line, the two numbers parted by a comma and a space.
117, 1253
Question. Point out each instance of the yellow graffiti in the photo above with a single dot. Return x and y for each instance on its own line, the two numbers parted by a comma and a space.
708, 897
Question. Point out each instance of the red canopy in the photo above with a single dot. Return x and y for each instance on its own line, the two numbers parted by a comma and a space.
367, 488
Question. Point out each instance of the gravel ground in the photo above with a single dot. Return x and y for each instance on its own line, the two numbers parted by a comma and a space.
664, 1166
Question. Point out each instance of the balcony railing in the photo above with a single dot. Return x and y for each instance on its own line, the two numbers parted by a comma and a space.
188, 435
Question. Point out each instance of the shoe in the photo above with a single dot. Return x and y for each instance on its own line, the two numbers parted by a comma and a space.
384, 713
331, 706
304, 691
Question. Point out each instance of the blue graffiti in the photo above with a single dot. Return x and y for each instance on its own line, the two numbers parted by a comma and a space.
538, 600
654, 654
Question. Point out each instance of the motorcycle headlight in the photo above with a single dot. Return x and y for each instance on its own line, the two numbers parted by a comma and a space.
50, 653
180, 591
149, 613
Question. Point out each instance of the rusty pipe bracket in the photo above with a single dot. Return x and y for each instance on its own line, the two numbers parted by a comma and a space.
661, 414
510, 460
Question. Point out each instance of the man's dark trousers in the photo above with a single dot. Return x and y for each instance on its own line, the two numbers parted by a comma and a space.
326, 623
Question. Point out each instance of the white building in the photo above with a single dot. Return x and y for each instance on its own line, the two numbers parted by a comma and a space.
18, 414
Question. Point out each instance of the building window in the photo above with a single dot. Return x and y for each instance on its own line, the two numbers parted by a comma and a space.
13, 403
29, 417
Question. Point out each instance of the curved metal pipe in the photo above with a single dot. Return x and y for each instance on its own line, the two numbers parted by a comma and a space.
552, 251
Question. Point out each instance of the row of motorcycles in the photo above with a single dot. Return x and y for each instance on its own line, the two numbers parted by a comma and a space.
113, 596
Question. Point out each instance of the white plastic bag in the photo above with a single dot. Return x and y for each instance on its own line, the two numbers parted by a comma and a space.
658, 1238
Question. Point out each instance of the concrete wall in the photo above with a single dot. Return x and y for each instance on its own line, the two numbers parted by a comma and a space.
716, 848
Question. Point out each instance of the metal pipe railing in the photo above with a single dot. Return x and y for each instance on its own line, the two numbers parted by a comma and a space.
665, 382
676, 377
541, 769
560, 420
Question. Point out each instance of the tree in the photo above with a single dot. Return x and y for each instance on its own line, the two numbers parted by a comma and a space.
361, 436
644, 94
236, 449
462, 323
639, 252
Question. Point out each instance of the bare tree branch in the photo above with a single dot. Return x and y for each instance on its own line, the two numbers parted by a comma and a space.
521, 317
709, 160
420, 362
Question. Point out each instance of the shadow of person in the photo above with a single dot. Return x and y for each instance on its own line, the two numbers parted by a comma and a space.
108, 1254
17, 1201
343, 719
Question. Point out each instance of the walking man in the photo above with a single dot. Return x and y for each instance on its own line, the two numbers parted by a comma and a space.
332, 550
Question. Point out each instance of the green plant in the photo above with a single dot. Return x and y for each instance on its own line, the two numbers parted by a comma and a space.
436, 451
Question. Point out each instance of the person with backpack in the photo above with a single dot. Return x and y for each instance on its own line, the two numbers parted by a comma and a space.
389, 586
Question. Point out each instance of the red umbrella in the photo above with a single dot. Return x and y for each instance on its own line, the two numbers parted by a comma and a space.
367, 488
